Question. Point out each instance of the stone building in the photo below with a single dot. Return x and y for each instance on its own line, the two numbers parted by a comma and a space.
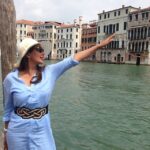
114, 21
22, 28
68, 39
88, 39
139, 37
45, 34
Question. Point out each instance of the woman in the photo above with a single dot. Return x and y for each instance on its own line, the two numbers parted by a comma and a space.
27, 91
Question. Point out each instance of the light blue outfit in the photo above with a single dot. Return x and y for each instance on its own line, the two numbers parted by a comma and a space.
31, 134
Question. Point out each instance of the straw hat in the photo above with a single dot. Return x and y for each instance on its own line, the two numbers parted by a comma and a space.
23, 48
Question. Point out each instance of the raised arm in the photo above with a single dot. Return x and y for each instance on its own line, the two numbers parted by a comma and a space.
88, 52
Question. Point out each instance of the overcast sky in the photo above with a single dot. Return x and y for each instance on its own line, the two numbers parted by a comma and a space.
68, 10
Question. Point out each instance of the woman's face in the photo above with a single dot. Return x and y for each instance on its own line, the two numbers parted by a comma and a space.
36, 55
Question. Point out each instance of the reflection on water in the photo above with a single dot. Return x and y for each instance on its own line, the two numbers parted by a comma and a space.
102, 107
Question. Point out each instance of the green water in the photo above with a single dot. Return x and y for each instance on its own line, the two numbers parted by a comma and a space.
102, 107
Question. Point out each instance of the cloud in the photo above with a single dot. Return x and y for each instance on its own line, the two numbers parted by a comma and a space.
68, 10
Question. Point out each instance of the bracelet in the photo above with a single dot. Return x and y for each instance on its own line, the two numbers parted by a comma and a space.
5, 130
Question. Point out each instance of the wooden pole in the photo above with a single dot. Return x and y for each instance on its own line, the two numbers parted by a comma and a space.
7, 36
7, 41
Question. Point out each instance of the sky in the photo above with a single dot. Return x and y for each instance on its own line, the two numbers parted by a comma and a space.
67, 10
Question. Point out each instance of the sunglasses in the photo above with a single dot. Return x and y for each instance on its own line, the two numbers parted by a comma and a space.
39, 49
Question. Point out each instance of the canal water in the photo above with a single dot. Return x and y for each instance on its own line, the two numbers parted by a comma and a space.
101, 107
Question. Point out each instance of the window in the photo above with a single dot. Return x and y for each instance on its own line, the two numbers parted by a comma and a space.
136, 17
122, 44
54, 35
67, 30
143, 15
114, 13
76, 44
126, 11
104, 16
117, 27
125, 26
149, 32
61, 31
114, 28
98, 29
146, 15
108, 15
85, 40
70, 36
54, 46
76, 29
147, 43
104, 29
76, 36
118, 13
70, 29
64, 44
70, 44
99, 17
20, 32
130, 17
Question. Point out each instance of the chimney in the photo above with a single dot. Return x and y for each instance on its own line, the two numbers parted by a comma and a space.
123, 6
103, 11
75, 21
80, 20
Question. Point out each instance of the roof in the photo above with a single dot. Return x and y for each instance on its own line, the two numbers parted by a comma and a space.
141, 10
28, 22
53, 23
68, 25
123, 7
47, 22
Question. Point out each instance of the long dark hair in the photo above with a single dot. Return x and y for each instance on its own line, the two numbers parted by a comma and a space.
24, 64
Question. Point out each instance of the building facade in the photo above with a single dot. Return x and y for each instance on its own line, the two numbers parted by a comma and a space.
88, 39
45, 34
69, 39
114, 21
139, 37
22, 28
